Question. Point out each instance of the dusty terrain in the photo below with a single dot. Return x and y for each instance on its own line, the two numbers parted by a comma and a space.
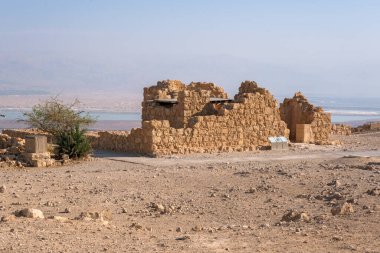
201, 203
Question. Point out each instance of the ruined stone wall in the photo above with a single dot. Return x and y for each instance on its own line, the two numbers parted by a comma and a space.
196, 125
196, 100
299, 111
341, 129
371, 126
239, 126
243, 125
152, 110
22, 133
164, 90
137, 141
374, 125
191, 99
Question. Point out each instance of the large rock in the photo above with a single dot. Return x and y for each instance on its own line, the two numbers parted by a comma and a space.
30, 213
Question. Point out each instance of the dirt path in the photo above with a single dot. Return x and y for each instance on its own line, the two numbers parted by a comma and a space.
233, 157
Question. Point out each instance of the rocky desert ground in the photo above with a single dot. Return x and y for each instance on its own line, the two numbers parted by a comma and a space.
307, 199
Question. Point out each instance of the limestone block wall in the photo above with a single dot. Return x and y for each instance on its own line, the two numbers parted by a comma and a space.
22, 133
137, 141
374, 125
191, 99
196, 100
152, 110
341, 129
5, 141
195, 125
163, 90
371, 126
242, 125
298, 110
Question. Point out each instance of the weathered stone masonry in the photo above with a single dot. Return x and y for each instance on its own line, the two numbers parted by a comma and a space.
298, 110
199, 118
181, 119
177, 102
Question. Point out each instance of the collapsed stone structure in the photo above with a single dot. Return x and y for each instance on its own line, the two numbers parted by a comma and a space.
200, 118
368, 127
306, 122
341, 129
197, 118
19, 149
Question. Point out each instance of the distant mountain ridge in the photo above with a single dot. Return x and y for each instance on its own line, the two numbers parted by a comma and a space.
129, 74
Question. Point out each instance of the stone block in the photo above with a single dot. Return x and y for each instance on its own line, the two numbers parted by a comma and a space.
303, 133
36, 144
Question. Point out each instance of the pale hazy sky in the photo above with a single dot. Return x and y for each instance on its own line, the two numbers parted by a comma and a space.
327, 47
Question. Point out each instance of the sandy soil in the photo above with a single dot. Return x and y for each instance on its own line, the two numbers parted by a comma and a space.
200, 203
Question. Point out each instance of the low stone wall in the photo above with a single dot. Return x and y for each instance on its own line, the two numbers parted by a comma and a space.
341, 129
374, 125
371, 126
22, 133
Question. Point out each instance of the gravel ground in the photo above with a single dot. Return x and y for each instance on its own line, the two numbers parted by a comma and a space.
201, 203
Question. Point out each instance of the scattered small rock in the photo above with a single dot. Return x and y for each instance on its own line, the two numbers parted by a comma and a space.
353, 201
226, 196
251, 190
103, 216
178, 229
365, 207
374, 192
335, 183
337, 238
51, 204
342, 209
136, 226
3, 188
294, 215
59, 218
183, 238
265, 225
321, 218
196, 228
7, 218
162, 209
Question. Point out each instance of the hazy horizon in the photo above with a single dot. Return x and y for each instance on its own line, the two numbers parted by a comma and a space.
321, 48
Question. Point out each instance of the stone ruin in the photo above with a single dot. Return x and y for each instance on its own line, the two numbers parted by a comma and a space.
341, 129
201, 118
307, 123
20, 149
368, 127
10, 149
178, 103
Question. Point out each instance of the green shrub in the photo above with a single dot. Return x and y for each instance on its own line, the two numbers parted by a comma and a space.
64, 123
73, 143
55, 117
